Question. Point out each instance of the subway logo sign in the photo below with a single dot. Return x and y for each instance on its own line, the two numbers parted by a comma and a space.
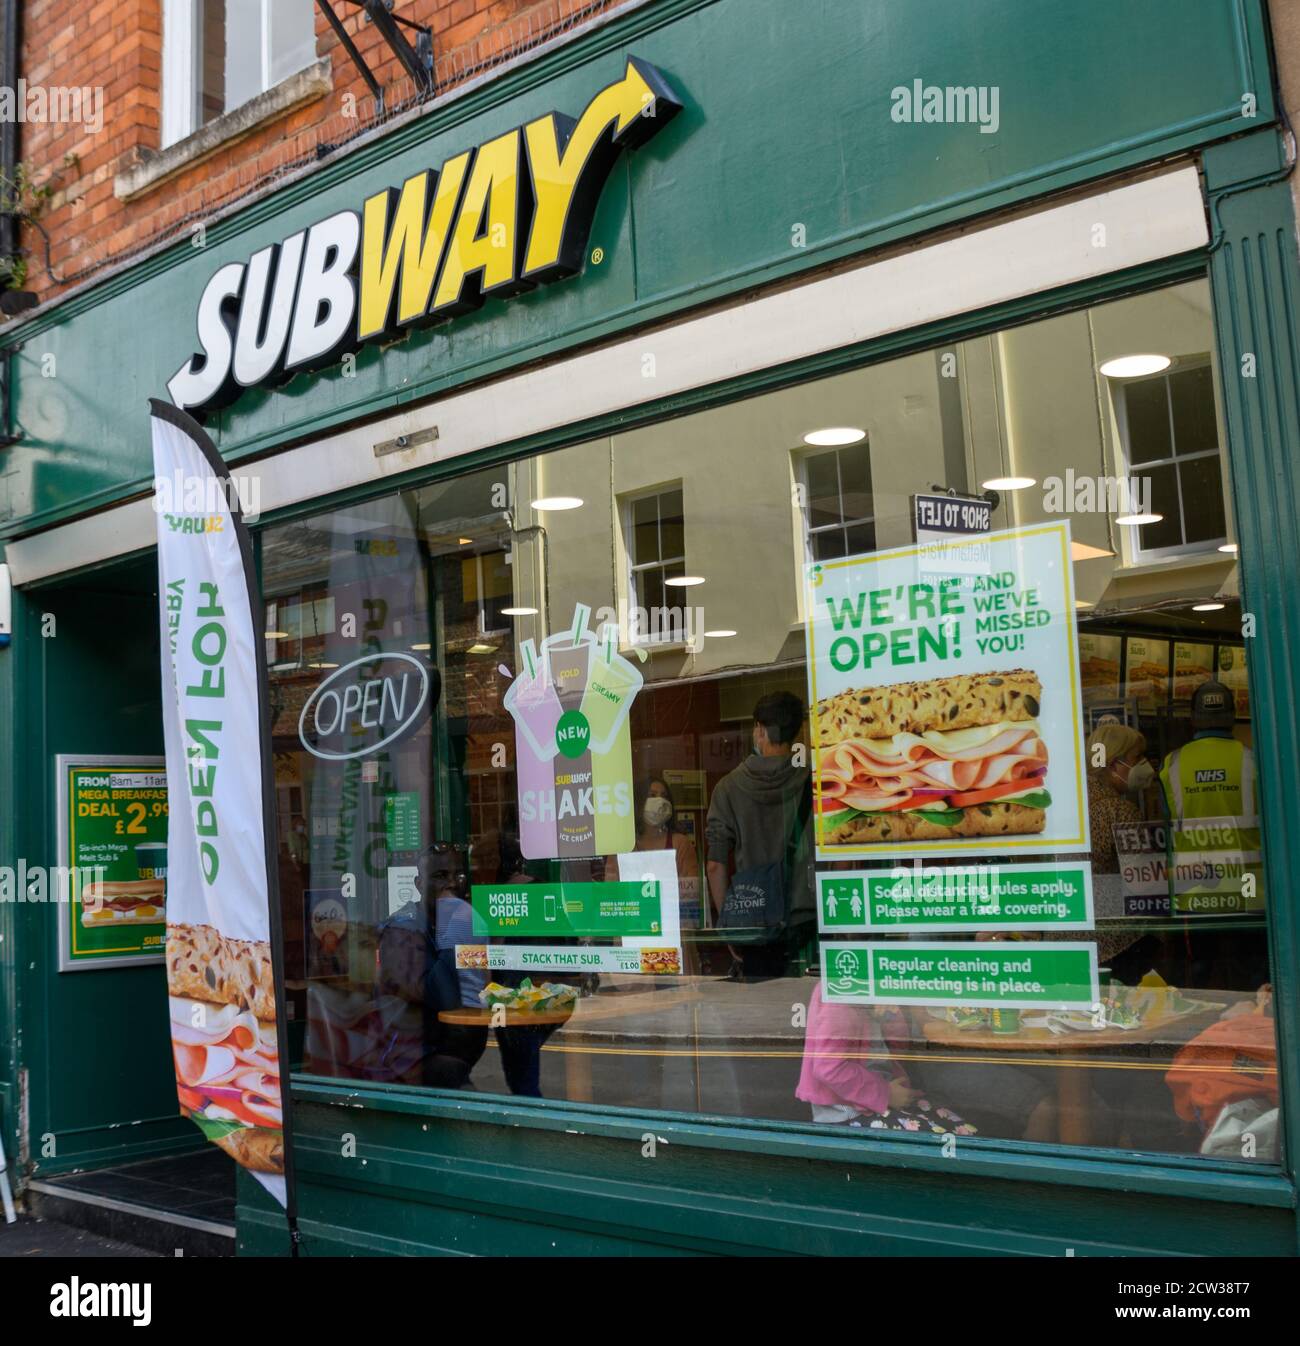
505, 216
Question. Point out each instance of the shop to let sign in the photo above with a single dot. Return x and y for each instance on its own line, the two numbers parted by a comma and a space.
562, 910
1011, 975
112, 819
957, 897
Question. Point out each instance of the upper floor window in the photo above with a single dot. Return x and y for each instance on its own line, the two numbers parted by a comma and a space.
218, 54
839, 513
1170, 435
655, 530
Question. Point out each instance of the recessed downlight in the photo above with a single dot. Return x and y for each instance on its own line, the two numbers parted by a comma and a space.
322, 665
835, 436
276, 635
1137, 520
684, 581
481, 648
544, 502
719, 634
1207, 607
1009, 483
519, 612
1134, 366
1230, 548
422, 646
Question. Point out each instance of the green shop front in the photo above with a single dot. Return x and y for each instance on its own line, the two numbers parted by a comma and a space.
777, 532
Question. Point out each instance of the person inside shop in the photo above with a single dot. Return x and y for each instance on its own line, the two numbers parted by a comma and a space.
1213, 777
759, 844
520, 1045
1119, 775
657, 830
851, 1077
417, 962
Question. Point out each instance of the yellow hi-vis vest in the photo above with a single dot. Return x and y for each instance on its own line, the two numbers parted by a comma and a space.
1210, 778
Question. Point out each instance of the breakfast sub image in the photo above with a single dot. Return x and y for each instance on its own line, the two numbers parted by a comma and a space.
134, 902
959, 756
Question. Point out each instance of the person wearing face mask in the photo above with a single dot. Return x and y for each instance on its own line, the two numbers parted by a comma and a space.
1118, 773
656, 817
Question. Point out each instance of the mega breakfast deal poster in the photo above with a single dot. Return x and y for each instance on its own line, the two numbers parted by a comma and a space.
570, 702
945, 708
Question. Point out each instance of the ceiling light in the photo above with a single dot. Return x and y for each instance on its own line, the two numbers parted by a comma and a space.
684, 581
1207, 607
1084, 551
1137, 520
480, 648
519, 612
464, 541
322, 665
1230, 548
1083, 603
1008, 483
1134, 366
835, 435
557, 502
424, 646
718, 635
276, 635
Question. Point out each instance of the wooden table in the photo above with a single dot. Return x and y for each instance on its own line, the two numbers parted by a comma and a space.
590, 1010
1073, 1078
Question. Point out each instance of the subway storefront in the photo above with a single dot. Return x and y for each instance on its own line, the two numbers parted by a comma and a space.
775, 544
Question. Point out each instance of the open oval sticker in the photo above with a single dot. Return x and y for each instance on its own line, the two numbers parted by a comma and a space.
366, 705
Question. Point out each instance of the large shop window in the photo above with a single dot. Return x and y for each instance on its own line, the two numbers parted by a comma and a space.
933, 820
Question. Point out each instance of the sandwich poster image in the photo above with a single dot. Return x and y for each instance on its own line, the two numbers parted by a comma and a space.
1193, 665
1147, 672
945, 708
220, 979
1099, 667
113, 846
570, 701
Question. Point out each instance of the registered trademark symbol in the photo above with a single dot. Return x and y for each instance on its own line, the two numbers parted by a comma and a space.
597, 256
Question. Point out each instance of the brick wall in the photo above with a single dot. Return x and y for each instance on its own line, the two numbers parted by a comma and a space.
116, 45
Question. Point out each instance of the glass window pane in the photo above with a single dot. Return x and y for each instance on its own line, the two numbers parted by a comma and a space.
212, 60
672, 534
396, 992
827, 544
1192, 395
244, 39
823, 490
645, 530
1203, 513
860, 537
293, 36
1164, 501
1147, 404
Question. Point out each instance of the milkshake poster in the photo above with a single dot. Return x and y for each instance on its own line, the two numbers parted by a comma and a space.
570, 702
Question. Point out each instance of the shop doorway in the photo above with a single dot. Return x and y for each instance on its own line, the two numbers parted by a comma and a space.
108, 1148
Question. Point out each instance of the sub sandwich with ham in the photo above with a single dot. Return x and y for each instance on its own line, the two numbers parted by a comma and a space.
927, 761
134, 902
222, 998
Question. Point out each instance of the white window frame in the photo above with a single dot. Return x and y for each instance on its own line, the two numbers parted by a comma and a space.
648, 639
802, 463
1139, 555
181, 53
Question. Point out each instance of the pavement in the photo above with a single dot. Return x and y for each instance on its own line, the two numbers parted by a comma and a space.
31, 1237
